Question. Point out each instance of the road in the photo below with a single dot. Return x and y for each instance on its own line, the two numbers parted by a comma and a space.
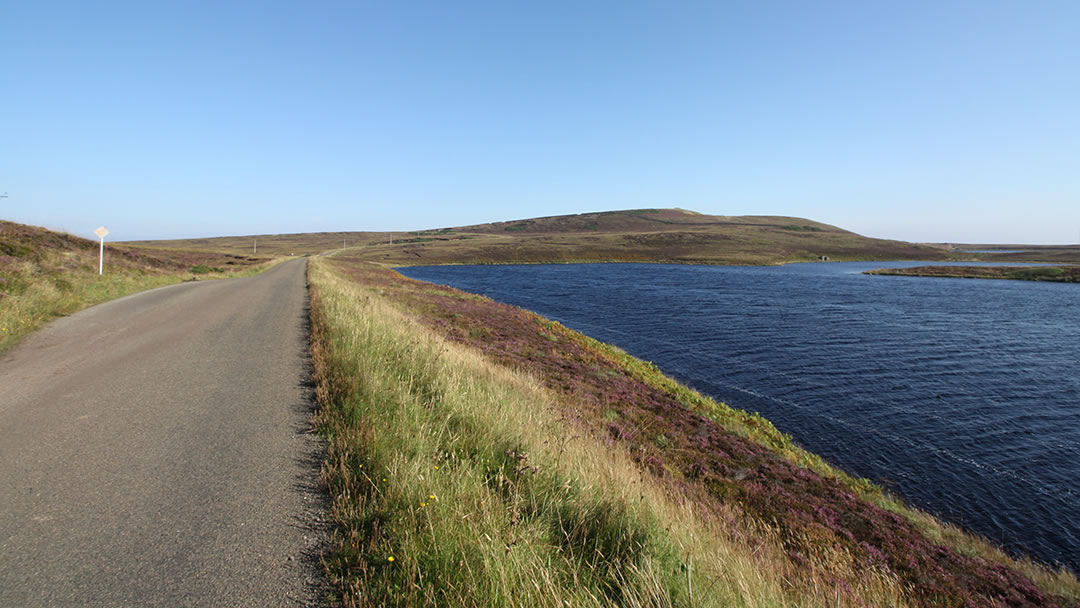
156, 451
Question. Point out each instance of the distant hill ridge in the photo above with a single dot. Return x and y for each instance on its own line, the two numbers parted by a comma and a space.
643, 220
638, 235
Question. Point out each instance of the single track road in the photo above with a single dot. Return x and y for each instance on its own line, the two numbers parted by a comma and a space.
156, 451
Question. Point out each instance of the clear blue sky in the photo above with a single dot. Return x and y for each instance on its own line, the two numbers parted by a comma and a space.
923, 121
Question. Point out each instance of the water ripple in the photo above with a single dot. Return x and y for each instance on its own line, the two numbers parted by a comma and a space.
962, 396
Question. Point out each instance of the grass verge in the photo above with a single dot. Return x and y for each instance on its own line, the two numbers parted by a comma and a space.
456, 481
564, 470
46, 274
569, 471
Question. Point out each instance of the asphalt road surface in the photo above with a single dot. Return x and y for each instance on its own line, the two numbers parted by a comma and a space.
156, 451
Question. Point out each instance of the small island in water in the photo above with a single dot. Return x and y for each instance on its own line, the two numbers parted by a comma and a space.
1058, 274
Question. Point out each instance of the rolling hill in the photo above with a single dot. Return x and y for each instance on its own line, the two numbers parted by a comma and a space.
644, 235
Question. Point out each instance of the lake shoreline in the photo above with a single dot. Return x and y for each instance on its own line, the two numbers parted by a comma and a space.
721, 460
817, 331
1053, 274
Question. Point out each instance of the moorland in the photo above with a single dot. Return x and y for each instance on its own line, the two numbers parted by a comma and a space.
480, 455
479, 452
1054, 274
46, 274
641, 235
644, 235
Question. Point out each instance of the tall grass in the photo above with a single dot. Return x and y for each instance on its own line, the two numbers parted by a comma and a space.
455, 482
1058, 582
44, 275
44, 298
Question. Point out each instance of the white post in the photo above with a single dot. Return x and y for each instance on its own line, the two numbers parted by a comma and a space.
255, 247
101, 232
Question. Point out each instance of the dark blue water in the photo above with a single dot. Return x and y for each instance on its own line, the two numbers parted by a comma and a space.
961, 395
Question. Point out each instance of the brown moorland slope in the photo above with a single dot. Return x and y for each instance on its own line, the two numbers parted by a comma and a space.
45, 274
644, 235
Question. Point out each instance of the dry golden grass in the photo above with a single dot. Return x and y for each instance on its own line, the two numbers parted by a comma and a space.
464, 473
523, 410
1058, 582
46, 274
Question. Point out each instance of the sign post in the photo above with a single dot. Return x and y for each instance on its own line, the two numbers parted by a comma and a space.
101, 232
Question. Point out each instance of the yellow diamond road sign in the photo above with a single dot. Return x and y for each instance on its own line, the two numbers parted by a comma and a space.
101, 232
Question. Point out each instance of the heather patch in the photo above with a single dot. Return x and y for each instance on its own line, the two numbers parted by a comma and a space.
822, 517
459, 482
1057, 274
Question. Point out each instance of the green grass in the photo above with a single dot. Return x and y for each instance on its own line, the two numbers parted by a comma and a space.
204, 269
45, 275
1058, 582
567, 465
466, 475
1038, 274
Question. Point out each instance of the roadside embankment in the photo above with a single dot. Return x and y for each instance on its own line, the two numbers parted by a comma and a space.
46, 274
483, 455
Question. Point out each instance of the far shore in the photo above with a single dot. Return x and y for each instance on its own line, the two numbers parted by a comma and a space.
1056, 274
